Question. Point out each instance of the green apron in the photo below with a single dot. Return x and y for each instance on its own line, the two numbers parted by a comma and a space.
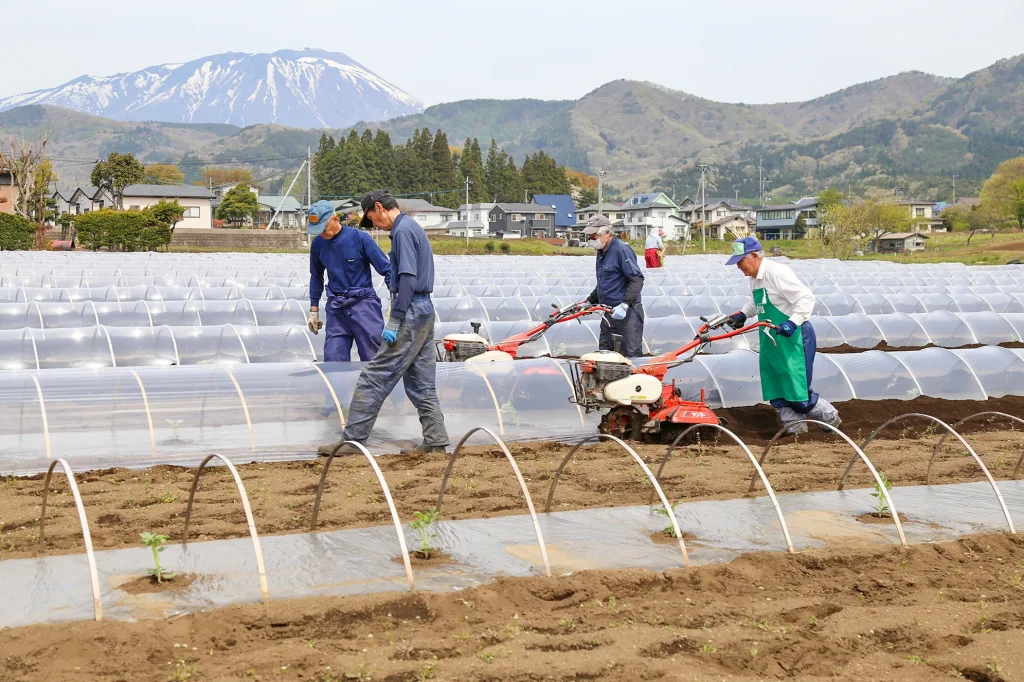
783, 365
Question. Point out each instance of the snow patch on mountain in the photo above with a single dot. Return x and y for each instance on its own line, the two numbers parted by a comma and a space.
299, 88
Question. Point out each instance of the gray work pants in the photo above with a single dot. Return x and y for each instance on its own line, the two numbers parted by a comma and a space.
631, 328
823, 411
412, 358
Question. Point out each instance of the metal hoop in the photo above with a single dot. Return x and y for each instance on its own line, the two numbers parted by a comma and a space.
858, 452
86, 535
248, 518
757, 472
967, 446
387, 496
938, 446
654, 481
519, 477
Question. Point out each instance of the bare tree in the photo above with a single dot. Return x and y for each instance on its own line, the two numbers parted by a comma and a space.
24, 160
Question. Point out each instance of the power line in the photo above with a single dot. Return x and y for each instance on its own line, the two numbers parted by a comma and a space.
410, 194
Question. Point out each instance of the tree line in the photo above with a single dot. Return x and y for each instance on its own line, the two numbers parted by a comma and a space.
426, 164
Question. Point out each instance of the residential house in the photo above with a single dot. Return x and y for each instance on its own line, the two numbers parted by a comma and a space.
565, 210
967, 202
62, 201
729, 227
473, 215
645, 212
289, 211
475, 212
899, 242
509, 221
612, 210
924, 216
780, 222
86, 199
9, 193
431, 218
197, 201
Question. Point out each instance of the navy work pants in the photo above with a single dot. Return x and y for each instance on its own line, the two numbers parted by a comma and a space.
631, 328
353, 316
411, 358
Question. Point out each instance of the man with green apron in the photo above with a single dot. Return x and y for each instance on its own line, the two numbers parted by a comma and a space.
787, 365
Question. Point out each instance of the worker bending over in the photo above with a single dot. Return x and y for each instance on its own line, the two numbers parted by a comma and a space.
787, 365
619, 283
409, 351
353, 307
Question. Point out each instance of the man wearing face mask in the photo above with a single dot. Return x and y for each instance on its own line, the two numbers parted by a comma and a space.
353, 308
619, 282
787, 358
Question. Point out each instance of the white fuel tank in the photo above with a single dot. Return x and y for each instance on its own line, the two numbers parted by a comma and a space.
636, 389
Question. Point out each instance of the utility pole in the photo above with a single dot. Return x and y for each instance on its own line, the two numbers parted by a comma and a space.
600, 190
467, 211
760, 182
309, 181
955, 176
703, 206
736, 189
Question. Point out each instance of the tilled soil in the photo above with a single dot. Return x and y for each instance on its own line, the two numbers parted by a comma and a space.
852, 612
121, 503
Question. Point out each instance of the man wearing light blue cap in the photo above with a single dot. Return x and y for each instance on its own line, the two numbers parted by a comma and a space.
353, 307
787, 358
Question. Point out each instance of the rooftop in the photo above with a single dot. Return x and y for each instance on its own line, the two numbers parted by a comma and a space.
168, 191
420, 206
277, 201
525, 208
903, 235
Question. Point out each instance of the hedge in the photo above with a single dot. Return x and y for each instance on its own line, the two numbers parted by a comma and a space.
120, 231
17, 233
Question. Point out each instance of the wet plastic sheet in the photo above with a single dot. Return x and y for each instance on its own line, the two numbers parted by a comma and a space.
359, 561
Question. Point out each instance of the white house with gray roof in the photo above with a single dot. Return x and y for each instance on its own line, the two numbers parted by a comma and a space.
288, 209
197, 201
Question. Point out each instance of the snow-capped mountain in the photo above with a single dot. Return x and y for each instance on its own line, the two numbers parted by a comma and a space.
299, 88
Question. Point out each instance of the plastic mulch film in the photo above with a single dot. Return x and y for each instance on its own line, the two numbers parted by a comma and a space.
942, 374
999, 370
361, 561
872, 375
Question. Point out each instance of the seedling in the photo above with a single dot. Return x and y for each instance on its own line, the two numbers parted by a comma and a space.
509, 409
421, 526
882, 507
156, 543
175, 423
708, 647
669, 530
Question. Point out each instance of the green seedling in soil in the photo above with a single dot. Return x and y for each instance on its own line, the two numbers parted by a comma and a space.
426, 672
669, 530
156, 543
175, 423
882, 507
486, 656
510, 409
708, 648
421, 526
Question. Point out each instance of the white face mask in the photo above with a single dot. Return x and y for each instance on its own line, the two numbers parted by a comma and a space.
595, 244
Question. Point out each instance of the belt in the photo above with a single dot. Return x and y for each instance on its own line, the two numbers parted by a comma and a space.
426, 295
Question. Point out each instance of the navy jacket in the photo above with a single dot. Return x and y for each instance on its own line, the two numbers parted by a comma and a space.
347, 258
618, 276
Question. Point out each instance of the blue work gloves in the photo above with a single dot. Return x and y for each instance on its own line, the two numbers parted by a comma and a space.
787, 328
737, 320
390, 333
619, 311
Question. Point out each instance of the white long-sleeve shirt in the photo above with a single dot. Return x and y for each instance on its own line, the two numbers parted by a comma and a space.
653, 241
785, 291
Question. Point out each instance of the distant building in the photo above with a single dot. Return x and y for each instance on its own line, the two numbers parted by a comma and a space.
924, 216
612, 210
197, 201
565, 210
289, 211
61, 201
649, 211
730, 227
87, 199
9, 193
430, 217
899, 242
522, 220
969, 202
780, 222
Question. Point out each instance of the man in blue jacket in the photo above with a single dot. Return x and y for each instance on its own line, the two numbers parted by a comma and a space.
409, 354
619, 283
353, 307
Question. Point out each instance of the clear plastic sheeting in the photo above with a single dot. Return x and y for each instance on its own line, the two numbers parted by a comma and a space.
361, 560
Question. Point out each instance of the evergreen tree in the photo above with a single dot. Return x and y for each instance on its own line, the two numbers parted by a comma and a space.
336, 176
444, 171
513, 185
387, 171
357, 177
423, 146
541, 175
471, 165
494, 172
321, 165
368, 151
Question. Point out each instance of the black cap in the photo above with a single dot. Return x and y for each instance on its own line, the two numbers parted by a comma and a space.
367, 204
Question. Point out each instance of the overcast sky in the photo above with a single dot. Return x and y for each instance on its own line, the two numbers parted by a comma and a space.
446, 50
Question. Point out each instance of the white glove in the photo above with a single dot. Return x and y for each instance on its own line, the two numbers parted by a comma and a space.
314, 324
619, 311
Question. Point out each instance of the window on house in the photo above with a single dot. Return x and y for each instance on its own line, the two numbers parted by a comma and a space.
493, 218
101, 205
191, 211
133, 207
919, 212
515, 217
538, 216
620, 216
85, 211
